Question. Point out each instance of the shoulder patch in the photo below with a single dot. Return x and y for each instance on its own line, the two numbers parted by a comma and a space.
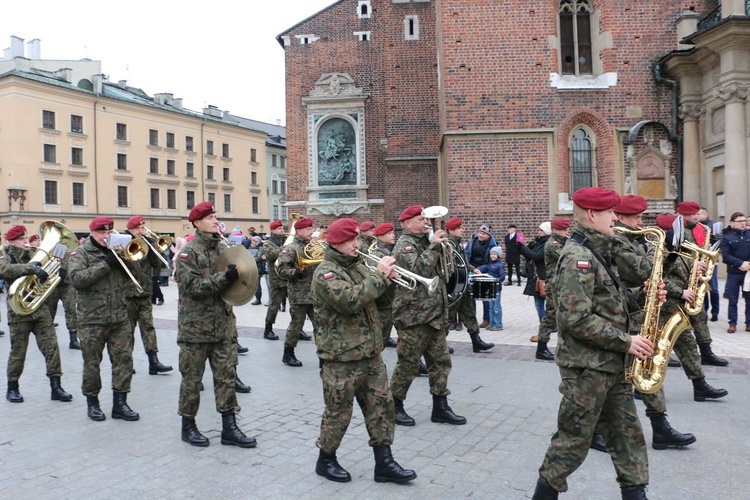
283, 251
183, 256
328, 275
555, 243
409, 249
73, 253
582, 264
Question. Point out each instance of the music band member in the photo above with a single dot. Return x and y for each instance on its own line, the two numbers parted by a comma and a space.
421, 319
100, 282
64, 291
349, 343
386, 239
269, 252
366, 235
16, 264
140, 308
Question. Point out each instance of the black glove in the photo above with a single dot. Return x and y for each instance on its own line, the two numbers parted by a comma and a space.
111, 260
298, 274
41, 274
35, 263
232, 273
63, 273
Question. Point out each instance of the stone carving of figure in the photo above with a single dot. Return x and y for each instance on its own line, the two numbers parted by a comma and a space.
673, 186
337, 160
628, 185
335, 85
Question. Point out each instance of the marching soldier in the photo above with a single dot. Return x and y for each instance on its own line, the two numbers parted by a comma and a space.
206, 330
298, 289
349, 343
64, 291
366, 235
15, 264
101, 282
140, 307
386, 238
276, 285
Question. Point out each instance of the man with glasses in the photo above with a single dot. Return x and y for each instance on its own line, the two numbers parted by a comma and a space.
735, 252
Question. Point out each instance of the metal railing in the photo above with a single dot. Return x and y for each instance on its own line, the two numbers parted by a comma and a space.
712, 17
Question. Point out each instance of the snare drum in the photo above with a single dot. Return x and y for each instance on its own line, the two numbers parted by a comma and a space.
483, 287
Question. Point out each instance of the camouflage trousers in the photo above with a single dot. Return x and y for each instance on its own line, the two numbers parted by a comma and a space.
686, 349
699, 322
592, 398
222, 357
118, 339
299, 312
386, 320
548, 323
67, 294
367, 381
278, 296
413, 343
464, 308
655, 403
46, 340
141, 314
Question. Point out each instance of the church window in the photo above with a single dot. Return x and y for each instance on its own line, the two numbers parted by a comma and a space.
575, 37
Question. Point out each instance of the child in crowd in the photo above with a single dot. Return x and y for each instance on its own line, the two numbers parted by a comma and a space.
496, 269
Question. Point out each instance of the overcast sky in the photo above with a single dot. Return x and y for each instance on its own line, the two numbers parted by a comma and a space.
218, 52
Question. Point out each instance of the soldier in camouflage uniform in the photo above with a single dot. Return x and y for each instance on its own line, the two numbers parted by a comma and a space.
464, 306
140, 307
100, 283
386, 240
64, 291
366, 235
15, 265
593, 339
206, 330
421, 319
298, 289
276, 286
349, 343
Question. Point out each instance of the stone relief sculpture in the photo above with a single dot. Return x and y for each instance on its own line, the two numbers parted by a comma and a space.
337, 159
628, 185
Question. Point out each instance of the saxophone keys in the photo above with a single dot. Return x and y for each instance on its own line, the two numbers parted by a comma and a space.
658, 360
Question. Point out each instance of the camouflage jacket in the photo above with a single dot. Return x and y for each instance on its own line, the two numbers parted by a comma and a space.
592, 313
202, 315
344, 293
271, 250
298, 288
100, 289
415, 253
143, 271
677, 271
552, 250
15, 265
385, 301
632, 259
365, 242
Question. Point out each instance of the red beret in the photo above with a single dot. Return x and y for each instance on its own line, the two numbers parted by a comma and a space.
201, 210
33, 237
342, 230
366, 226
15, 232
135, 221
303, 223
665, 221
596, 198
102, 223
384, 228
561, 224
688, 208
631, 205
452, 224
276, 223
410, 212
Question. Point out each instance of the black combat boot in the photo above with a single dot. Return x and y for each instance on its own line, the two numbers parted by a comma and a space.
402, 418
239, 386
13, 395
387, 470
232, 435
442, 413
665, 436
256, 302
543, 353
544, 491
191, 434
709, 358
155, 366
305, 337
423, 369
74, 344
58, 393
241, 349
390, 343
702, 391
478, 344
597, 441
637, 394
94, 411
634, 492
268, 333
120, 408
329, 468
289, 358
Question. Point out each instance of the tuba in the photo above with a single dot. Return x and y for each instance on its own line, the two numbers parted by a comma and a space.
700, 283
27, 294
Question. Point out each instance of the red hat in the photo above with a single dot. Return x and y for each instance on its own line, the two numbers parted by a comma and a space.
561, 224
276, 223
33, 237
342, 230
201, 210
15, 232
665, 221
452, 224
596, 198
631, 205
410, 212
303, 223
688, 208
135, 221
102, 223
366, 226
384, 228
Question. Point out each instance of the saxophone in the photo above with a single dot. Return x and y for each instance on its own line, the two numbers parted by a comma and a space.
648, 375
699, 283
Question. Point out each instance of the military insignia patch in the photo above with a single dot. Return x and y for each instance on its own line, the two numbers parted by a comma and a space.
183, 256
554, 243
328, 275
409, 249
73, 253
582, 264
283, 251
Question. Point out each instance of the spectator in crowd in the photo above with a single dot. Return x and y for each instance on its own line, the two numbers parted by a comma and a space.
512, 255
735, 252
496, 269
478, 254
536, 269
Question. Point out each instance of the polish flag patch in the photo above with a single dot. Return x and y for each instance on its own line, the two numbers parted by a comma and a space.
582, 264
73, 253
409, 249
328, 275
183, 256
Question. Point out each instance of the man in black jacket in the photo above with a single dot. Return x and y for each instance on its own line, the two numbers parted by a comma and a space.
512, 255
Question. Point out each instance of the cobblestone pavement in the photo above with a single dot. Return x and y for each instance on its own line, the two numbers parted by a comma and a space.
52, 450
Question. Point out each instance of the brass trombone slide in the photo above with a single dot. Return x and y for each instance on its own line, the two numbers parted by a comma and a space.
133, 250
408, 279
161, 244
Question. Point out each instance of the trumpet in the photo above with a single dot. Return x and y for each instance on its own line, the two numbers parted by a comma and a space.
407, 280
126, 247
161, 244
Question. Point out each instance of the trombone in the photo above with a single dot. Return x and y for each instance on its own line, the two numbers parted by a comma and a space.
407, 280
161, 244
130, 249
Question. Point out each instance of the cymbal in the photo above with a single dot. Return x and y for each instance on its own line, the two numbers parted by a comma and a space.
241, 291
